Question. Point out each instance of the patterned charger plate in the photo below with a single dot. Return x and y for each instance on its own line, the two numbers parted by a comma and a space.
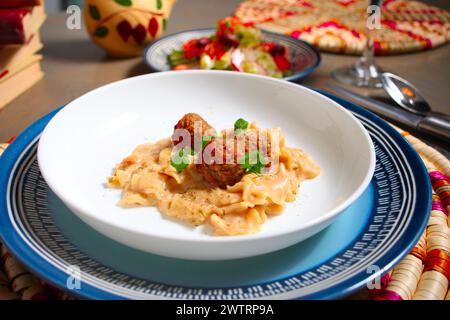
368, 239
303, 57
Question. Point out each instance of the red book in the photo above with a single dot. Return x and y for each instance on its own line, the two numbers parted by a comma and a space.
18, 25
18, 3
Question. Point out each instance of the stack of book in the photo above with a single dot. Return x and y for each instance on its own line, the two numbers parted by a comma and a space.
20, 67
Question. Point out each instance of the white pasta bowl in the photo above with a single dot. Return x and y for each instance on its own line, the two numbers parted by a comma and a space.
80, 146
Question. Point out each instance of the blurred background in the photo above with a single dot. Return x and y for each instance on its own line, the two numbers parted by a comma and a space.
57, 5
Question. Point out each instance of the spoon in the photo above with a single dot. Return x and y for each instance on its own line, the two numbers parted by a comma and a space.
408, 97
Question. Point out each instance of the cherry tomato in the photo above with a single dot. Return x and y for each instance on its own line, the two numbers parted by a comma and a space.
191, 49
282, 62
227, 25
215, 50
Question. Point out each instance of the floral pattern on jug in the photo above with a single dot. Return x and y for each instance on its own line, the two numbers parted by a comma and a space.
124, 27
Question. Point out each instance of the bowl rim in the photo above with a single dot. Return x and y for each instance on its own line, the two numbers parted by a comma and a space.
295, 76
79, 209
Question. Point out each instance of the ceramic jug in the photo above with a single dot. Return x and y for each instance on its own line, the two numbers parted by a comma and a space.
124, 27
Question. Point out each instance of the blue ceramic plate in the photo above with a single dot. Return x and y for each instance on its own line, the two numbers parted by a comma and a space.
303, 57
378, 230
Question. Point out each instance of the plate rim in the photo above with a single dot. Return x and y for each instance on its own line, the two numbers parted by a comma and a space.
295, 76
422, 173
47, 271
9, 238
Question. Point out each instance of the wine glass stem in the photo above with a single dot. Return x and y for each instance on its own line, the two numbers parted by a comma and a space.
364, 72
366, 63
368, 53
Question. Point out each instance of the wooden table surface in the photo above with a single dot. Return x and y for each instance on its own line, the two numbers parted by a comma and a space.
74, 65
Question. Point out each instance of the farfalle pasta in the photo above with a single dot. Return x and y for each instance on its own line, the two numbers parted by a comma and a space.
148, 178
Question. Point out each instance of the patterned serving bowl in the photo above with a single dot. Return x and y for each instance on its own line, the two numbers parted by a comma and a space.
303, 57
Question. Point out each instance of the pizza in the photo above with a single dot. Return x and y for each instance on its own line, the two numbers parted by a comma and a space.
340, 25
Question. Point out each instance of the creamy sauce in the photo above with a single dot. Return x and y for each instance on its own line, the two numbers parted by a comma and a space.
148, 179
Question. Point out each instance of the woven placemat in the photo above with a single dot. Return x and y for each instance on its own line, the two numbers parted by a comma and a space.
423, 274
340, 25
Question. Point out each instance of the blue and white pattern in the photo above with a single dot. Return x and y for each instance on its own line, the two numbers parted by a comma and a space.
397, 206
303, 57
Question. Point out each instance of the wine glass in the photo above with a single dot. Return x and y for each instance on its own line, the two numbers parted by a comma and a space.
365, 72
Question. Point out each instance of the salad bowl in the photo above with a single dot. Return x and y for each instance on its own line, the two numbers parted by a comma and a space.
303, 57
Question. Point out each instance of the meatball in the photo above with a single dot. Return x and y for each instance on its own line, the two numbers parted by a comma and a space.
188, 122
230, 170
221, 174
218, 173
